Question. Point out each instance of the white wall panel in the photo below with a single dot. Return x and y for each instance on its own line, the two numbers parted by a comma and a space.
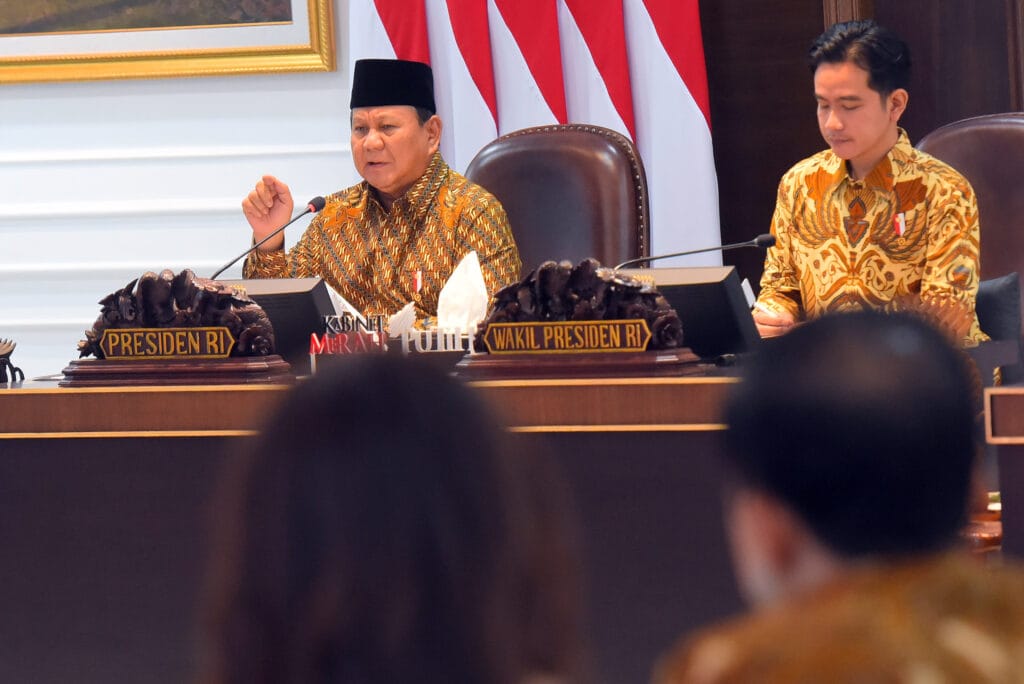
102, 181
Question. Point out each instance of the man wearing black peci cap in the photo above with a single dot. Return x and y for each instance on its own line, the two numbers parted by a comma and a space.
395, 237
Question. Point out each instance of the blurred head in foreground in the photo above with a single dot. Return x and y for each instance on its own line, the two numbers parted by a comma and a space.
378, 532
851, 439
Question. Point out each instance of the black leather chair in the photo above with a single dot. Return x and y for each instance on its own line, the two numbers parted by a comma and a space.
999, 314
571, 191
998, 306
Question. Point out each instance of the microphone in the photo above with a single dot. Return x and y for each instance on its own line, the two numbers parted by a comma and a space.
763, 240
315, 205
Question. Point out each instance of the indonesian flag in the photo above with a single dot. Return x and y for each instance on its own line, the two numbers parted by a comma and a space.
635, 66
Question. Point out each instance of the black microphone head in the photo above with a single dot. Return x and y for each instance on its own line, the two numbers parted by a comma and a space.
764, 240
317, 203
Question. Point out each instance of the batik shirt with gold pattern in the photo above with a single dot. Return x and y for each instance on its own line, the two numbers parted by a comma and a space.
947, 618
380, 260
904, 237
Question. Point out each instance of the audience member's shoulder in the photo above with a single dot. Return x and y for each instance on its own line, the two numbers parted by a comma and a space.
749, 648
543, 679
709, 657
950, 616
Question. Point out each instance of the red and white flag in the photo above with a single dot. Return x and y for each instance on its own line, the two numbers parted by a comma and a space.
635, 66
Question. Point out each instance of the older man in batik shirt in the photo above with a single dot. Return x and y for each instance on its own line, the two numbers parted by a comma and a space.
397, 236
870, 222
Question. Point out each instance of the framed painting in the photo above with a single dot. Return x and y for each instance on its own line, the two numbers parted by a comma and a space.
78, 40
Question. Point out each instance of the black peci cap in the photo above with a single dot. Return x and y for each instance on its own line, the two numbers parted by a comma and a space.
383, 82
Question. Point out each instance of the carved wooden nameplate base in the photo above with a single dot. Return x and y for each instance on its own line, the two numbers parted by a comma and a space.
173, 356
242, 370
574, 349
669, 362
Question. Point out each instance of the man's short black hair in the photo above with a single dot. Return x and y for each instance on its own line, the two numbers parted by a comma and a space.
873, 48
863, 424
423, 114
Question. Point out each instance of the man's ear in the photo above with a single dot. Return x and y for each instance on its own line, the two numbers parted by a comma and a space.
897, 103
766, 542
434, 126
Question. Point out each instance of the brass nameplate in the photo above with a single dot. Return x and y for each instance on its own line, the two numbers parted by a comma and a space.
150, 344
568, 337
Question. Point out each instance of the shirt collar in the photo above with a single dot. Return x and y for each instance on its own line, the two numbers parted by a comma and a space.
883, 176
417, 199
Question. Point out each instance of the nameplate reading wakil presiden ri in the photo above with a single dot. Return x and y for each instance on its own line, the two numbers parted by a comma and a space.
572, 337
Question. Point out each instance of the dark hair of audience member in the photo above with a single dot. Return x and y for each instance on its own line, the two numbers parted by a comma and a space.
873, 48
864, 425
378, 532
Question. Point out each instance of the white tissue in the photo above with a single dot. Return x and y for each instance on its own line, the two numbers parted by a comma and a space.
402, 321
463, 301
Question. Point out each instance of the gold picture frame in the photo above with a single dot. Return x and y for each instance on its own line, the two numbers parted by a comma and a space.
305, 44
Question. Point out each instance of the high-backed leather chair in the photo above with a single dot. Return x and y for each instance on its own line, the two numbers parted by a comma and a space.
989, 152
571, 191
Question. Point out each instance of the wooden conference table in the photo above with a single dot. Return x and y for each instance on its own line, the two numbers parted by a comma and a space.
1004, 429
106, 493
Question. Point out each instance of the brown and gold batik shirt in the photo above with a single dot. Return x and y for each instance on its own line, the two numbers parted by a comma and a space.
904, 237
947, 618
380, 260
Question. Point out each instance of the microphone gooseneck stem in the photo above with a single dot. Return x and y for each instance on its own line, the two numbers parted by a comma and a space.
721, 248
309, 210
